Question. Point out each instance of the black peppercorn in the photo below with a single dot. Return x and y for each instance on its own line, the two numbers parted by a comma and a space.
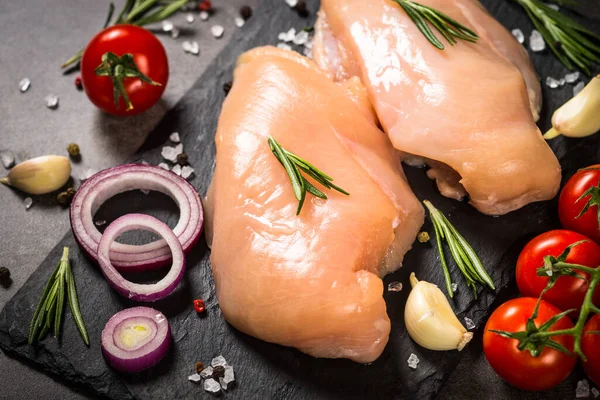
245, 12
227, 87
182, 159
218, 372
301, 8
5, 278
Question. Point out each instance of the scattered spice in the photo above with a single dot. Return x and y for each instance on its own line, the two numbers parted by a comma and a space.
51, 101
218, 372
73, 150
205, 5
423, 237
301, 8
199, 306
24, 85
246, 12
199, 366
182, 159
64, 198
78, 83
227, 87
4, 276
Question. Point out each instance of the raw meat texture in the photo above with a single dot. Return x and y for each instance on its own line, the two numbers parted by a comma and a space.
311, 281
470, 107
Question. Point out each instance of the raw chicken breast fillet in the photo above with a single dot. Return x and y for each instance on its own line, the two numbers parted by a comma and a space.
311, 281
468, 111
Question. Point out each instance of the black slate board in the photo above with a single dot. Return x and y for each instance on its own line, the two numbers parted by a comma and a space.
264, 370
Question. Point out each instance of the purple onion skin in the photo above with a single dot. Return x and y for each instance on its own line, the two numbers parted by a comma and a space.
154, 296
157, 262
142, 363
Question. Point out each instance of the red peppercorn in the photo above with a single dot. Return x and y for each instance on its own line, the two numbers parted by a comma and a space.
199, 306
205, 5
78, 83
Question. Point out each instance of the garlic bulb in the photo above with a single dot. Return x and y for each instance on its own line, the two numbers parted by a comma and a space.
579, 116
430, 320
39, 175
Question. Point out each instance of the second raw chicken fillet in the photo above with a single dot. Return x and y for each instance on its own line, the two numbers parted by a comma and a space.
468, 111
313, 280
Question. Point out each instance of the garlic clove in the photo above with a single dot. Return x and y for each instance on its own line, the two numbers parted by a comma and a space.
39, 175
579, 116
430, 320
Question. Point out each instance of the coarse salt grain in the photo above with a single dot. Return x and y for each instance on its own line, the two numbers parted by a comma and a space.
186, 171
24, 84
206, 372
167, 26
518, 34
28, 202
51, 101
212, 386
100, 222
217, 31
413, 361
227, 380
239, 22
170, 153
191, 47
536, 41
583, 389
552, 83
395, 286
164, 166
553, 6
595, 392
572, 77
8, 159
204, 15
176, 169
174, 137
189, 18
578, 88
195, 378
301, 38
469, 323
175, 33
308, 52
218, 361
284, 46
287, 36
454, 287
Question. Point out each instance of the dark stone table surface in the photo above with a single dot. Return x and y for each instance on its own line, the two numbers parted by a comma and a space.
36, 37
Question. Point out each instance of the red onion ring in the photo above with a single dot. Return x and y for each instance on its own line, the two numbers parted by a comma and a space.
110, 182
135, 339
137, 291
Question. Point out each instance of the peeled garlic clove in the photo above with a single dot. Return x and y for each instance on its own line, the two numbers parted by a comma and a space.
430, 320
580, 116
39, 175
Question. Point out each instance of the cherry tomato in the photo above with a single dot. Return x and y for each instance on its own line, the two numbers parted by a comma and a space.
568, 292
149, 56
590, 344
520, 368
569, 208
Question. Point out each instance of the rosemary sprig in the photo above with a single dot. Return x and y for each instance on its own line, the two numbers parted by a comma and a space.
572, 43
449, 28
136, 12
463, 254
49, 311
293, 164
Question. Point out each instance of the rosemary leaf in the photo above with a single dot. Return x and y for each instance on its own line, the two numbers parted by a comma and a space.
59, 305
74, 305
33, 325
293, 165
448, 27
463, 254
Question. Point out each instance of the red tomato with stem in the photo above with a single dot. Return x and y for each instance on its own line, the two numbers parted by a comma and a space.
590, 344
568, 292
571, 203
520, 368
149, 60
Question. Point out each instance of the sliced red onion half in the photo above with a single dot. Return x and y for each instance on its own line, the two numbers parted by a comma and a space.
110, 182
135, 339
138, 291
